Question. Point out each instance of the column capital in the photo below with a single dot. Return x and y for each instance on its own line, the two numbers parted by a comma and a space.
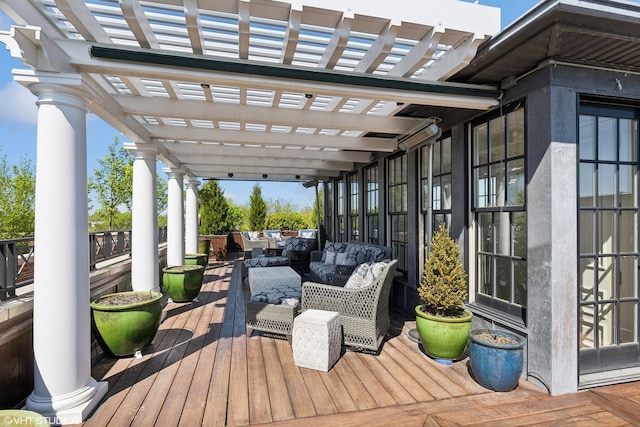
141, 150
45, 85
192, 183
174, 172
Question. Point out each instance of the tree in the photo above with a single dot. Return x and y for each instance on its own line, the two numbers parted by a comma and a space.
161, 194
287, 221
17, 199
113, 183
257, 209
214, 209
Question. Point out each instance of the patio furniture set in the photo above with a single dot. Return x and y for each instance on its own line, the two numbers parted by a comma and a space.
318, 318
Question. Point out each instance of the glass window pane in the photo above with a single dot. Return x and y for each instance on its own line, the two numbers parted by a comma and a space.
424, 161
606, 278
503, 233
587, 184
520, 282
445, 166
445, 190
436, 159
587, 328
606, 325
497, 181
627, 186
503, 278
485, 232
628, 140
485, 275
628, 231
515, 123
496, 129
481, 148
628, 322
607, 138
587, 230
587, 279
482, 187
606, 185
424, 184
520, 234
515, 183
606, 232
587, 138
628, 277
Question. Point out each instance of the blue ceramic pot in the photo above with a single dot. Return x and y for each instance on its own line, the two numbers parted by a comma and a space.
496, 366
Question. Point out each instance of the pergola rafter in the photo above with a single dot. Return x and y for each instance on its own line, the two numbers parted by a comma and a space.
317, 78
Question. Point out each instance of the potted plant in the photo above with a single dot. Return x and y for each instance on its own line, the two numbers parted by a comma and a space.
496, 358
196, 259
442, 322
182, 282
126, 322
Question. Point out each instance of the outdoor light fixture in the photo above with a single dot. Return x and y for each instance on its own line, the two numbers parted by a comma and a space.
309, 184
297, 176
230, 174
308, 95
205, 86
429, 131
264, 175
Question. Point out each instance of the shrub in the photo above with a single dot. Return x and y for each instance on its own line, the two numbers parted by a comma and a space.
443, 289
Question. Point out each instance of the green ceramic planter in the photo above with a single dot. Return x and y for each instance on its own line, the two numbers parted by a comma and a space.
123, 329
196, 259
204, 246
443, 337
182, 282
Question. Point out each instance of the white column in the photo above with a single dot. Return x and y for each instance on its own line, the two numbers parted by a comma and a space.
63, 387
191, 220
144, 220
175, 218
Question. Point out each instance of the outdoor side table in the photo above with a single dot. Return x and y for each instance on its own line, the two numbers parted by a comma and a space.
317, 339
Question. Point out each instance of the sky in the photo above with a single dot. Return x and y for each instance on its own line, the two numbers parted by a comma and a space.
18, 123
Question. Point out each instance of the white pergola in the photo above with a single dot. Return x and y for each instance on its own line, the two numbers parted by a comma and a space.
249, 89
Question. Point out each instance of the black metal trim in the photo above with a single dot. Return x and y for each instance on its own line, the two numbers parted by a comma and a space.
287, 72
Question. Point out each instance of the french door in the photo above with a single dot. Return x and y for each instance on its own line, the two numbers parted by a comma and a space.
608, 238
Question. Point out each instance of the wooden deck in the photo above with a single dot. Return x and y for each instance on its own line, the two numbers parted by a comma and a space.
203, 370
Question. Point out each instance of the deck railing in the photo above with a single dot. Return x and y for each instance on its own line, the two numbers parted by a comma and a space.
17, 256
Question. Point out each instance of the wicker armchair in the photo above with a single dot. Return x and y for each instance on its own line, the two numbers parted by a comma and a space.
364, 312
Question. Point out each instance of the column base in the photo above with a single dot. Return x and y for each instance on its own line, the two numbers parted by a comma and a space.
69, 413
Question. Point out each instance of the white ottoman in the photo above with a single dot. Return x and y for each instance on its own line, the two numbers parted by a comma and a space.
317, 339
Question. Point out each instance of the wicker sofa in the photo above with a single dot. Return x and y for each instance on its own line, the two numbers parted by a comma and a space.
327, 266
295, 254
363, 304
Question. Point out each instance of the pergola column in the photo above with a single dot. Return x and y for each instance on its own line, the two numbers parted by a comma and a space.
191, 220
175, 218
64, 390
144, 219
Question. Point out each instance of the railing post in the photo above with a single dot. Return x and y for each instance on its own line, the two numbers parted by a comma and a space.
92, 251
8, 270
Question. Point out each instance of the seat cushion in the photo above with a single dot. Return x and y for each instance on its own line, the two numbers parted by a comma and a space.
267, 261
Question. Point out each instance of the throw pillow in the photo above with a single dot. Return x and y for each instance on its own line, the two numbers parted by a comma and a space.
307, 234
330, 257
375, 271
341, 258
277, 235
333, 246
357, 279
253, 235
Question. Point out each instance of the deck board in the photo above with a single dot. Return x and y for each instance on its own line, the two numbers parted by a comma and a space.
203, 370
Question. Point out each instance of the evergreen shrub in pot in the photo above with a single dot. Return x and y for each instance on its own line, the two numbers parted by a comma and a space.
442, 321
